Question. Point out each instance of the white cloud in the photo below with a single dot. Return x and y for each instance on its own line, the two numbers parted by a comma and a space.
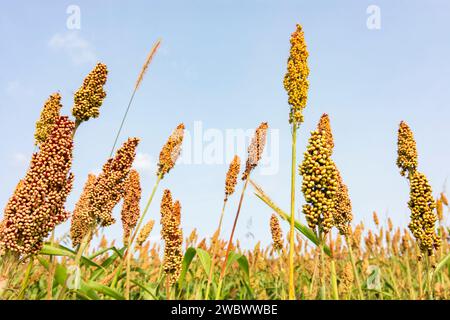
144, 162
76, 47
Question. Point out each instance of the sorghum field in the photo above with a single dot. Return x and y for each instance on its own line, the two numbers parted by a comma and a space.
328, 254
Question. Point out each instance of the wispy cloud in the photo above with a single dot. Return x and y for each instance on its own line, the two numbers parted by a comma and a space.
78, 49
144, 162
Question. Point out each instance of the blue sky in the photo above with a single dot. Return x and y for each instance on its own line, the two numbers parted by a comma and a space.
222, 63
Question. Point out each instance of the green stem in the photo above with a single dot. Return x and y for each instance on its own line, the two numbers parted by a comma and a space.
214, 251
292, 218
323, 293
334, 281
429, 277
355, 270
230, 242
25, 280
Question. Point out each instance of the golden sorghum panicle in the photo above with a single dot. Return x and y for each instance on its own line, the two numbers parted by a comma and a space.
172, 236
439, 209
255, 149
145, 232
37, 204
406, 150
130, 209
49, 115
89, 97
444, 199
82, 221
296, 79
320, 182
277, 236
324, 126
232, 174
343, 206
423, 218
375, 219
346, 279
171, 151
106, 191
390, 225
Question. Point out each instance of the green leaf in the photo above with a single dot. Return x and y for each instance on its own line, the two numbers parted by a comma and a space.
205, 259
305, 230
150, 291
60, 274
104, 290
442, 263
187, 259
59, 250
243, 263
232, 257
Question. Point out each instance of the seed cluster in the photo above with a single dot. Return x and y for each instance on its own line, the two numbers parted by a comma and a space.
106, 191
320, 182
277, 235
343, 207
89, 97
145, 232
423, 218
296, 79
172, 236
231, 178
82, 221
171, 151
131, 209
49, 115
255, 149
37, 204
406, 150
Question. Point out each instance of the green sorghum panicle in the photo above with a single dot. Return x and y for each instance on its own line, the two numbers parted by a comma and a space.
89, 97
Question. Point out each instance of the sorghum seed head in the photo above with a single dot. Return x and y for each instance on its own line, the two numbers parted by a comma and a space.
82, 221
325, 127
320, 182
343, 206
375, 219
49, 115
171, 151
406, 150
444, 199
37, 205
277, 236
231, 178
172, 236
89, 97
423, 218
108, 188
130, 209
255, 149
145, 232
296, 79
346, 280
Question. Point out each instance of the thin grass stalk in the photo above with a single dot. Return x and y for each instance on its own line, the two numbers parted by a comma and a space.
355, 270
292, 212
429, 278
224, 264
412, 293
334, 285
323, 292
136, 87
214, 251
